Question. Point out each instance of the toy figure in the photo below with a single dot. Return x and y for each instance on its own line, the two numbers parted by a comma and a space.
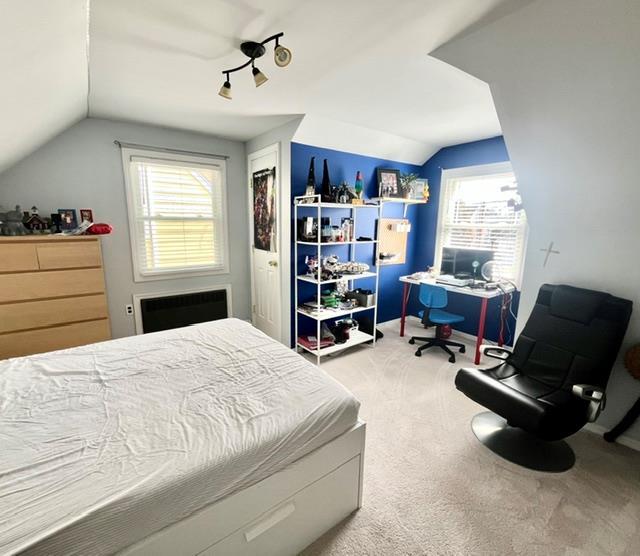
12, 223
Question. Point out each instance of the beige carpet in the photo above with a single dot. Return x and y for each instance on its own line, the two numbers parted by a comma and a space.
431, 488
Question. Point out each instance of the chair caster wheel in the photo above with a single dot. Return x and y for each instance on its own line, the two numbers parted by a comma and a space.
463, 349
418, 353
412, 341
452, 359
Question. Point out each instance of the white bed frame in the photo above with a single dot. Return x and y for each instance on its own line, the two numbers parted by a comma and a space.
280, 515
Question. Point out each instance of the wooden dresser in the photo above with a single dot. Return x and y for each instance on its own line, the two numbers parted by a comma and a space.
52, 294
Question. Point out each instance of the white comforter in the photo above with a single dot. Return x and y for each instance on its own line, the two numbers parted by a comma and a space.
102, 445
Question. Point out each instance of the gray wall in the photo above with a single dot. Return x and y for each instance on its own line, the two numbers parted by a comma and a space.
82, 168
565, 78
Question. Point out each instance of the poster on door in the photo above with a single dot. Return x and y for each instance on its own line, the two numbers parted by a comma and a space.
264, 209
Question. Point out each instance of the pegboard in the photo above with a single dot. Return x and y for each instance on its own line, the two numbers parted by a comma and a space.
392, 238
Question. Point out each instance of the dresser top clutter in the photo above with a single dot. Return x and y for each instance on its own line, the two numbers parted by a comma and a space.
52, 294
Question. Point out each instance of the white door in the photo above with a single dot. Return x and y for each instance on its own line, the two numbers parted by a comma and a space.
264, 238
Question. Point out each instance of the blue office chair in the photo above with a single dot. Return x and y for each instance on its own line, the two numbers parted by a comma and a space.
434, 298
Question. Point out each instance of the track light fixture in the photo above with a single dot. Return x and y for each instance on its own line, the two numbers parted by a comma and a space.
281, 55
225, 90
259, 77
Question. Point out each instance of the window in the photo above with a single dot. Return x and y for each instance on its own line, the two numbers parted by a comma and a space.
176, 214
480, 209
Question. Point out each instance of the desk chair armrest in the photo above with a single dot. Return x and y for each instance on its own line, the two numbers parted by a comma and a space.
594, 395
496, 352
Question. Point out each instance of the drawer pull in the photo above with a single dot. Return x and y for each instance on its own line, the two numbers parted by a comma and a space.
276, 517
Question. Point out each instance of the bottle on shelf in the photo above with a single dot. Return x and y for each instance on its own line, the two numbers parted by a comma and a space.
327, 194
359, 185
311, 178
347, 229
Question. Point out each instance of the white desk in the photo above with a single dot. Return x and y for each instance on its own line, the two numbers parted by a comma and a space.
484, 295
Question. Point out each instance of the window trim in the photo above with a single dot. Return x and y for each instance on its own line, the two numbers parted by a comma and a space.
127, 154
470, 172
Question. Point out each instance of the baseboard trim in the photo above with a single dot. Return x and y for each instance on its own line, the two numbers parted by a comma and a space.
622, 439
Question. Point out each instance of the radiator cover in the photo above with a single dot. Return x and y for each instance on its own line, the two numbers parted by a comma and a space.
175, 311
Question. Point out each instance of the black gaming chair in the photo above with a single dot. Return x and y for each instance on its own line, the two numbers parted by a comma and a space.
553, 382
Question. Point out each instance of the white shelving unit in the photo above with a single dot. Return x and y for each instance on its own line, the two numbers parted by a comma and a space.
313, 204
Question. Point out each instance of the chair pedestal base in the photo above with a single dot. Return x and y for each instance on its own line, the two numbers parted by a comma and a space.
520, 447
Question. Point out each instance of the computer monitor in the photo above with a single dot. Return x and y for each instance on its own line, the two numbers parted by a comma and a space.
458, 261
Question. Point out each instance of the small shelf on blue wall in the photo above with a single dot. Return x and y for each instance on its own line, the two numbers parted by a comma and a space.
334, 205
406, 202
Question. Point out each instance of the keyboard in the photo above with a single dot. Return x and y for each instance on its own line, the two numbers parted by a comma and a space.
453, 281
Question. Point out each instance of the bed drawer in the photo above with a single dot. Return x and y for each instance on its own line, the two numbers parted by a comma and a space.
41, 285
77, 254
299, 520
39, 314
18, 257
16, 344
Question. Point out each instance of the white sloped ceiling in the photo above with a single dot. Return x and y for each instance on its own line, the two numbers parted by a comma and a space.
43, 63
361, 62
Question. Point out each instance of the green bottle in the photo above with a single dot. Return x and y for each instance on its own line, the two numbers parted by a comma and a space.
359, 184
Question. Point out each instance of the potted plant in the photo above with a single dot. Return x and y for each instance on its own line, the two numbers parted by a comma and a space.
405, 184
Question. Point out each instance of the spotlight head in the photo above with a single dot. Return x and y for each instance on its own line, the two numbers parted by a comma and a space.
282, 56
225, 90
259, 77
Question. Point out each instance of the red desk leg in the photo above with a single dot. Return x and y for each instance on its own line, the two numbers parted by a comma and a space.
481, 322
405, 300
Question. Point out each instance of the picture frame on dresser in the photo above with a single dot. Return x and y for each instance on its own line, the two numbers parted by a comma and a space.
86, 215
68, 219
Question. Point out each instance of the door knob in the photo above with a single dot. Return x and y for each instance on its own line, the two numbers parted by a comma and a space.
273, 263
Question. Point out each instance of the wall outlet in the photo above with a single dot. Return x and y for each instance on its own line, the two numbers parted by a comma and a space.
128, 309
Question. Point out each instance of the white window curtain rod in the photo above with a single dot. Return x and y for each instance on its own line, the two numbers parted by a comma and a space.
122, 145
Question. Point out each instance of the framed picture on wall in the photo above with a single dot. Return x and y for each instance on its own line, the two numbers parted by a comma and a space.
389, 183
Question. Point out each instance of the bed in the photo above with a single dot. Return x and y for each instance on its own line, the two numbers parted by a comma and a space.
210, 439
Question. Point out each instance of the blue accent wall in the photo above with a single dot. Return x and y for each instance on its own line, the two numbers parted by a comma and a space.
487, 151
421, 246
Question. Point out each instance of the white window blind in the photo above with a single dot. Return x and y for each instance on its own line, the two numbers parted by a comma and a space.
176, 216
478, 212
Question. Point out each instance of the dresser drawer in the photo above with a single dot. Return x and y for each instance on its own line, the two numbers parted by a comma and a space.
18, 257
72, 254
38, 314
41, 285
17, 344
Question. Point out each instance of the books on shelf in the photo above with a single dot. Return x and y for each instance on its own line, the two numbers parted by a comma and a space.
311, 342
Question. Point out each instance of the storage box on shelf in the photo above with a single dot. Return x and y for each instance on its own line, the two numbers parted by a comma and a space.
357, 252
